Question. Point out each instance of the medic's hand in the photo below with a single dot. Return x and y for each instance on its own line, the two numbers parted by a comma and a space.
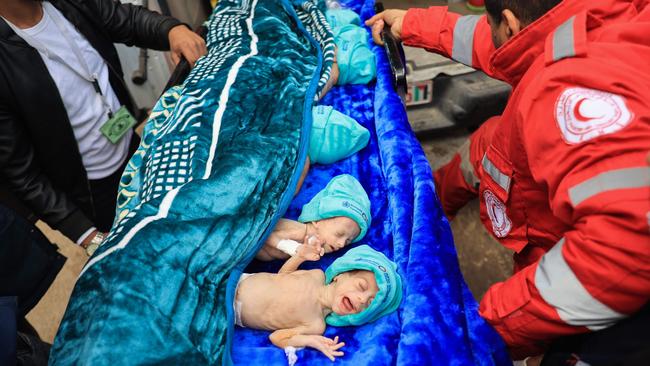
184, 42
329, 347
393, 18
311, 249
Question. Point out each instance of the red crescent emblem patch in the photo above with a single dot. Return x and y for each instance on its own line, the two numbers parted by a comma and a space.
583, 114
496, 210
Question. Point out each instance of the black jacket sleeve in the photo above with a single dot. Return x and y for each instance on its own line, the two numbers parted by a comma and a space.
22, 172
134, 25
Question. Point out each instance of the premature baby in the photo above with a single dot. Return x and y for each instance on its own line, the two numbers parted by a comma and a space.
359, 287
355, 60
337, 216
334, 136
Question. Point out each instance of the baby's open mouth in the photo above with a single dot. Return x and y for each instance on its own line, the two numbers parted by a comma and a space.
347, 305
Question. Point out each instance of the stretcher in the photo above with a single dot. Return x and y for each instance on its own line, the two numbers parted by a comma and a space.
160, 289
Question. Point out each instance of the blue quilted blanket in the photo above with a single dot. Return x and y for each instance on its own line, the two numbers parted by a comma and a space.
216, 169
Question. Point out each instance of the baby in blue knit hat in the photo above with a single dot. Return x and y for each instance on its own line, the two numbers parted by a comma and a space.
337, 216
355, 61
360, 287
334, 136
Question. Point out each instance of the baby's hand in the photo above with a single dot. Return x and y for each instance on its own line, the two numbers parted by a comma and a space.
310, 252
312, 248
329, 347
315, 241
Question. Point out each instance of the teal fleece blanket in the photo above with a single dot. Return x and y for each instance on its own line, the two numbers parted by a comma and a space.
217, 167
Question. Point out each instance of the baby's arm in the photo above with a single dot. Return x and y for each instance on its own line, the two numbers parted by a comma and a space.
310, 252
308, 336
285, 230
268, 253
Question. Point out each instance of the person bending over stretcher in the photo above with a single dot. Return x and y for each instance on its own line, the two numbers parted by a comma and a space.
337, 216
358, 288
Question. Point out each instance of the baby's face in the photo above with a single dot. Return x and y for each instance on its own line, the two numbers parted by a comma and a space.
337, 232
354, 292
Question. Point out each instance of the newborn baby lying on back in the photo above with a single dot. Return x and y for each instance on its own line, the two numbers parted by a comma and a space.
337, 216
359, 287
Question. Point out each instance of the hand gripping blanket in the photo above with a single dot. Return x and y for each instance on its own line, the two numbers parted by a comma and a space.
218, 166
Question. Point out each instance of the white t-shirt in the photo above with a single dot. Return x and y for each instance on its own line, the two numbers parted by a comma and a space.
85, 108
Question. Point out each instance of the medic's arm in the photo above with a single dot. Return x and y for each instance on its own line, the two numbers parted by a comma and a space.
466, 39
598, 183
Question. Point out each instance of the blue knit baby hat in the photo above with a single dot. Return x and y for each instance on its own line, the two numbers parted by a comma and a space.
389, 282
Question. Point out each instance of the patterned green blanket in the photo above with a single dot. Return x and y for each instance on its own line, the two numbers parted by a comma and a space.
216, 168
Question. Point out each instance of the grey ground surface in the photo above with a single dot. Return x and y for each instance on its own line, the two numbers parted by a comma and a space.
482, 260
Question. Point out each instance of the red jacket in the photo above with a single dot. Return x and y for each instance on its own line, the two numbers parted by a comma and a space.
564, 181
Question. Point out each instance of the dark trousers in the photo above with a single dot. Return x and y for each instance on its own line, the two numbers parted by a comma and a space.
19, 346
104, 192
625, 343
28, 261
8, 330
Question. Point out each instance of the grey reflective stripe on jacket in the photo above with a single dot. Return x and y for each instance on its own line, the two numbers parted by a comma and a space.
503, 180
560, 288
563, 41
627, 178
463, 46
466, 167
